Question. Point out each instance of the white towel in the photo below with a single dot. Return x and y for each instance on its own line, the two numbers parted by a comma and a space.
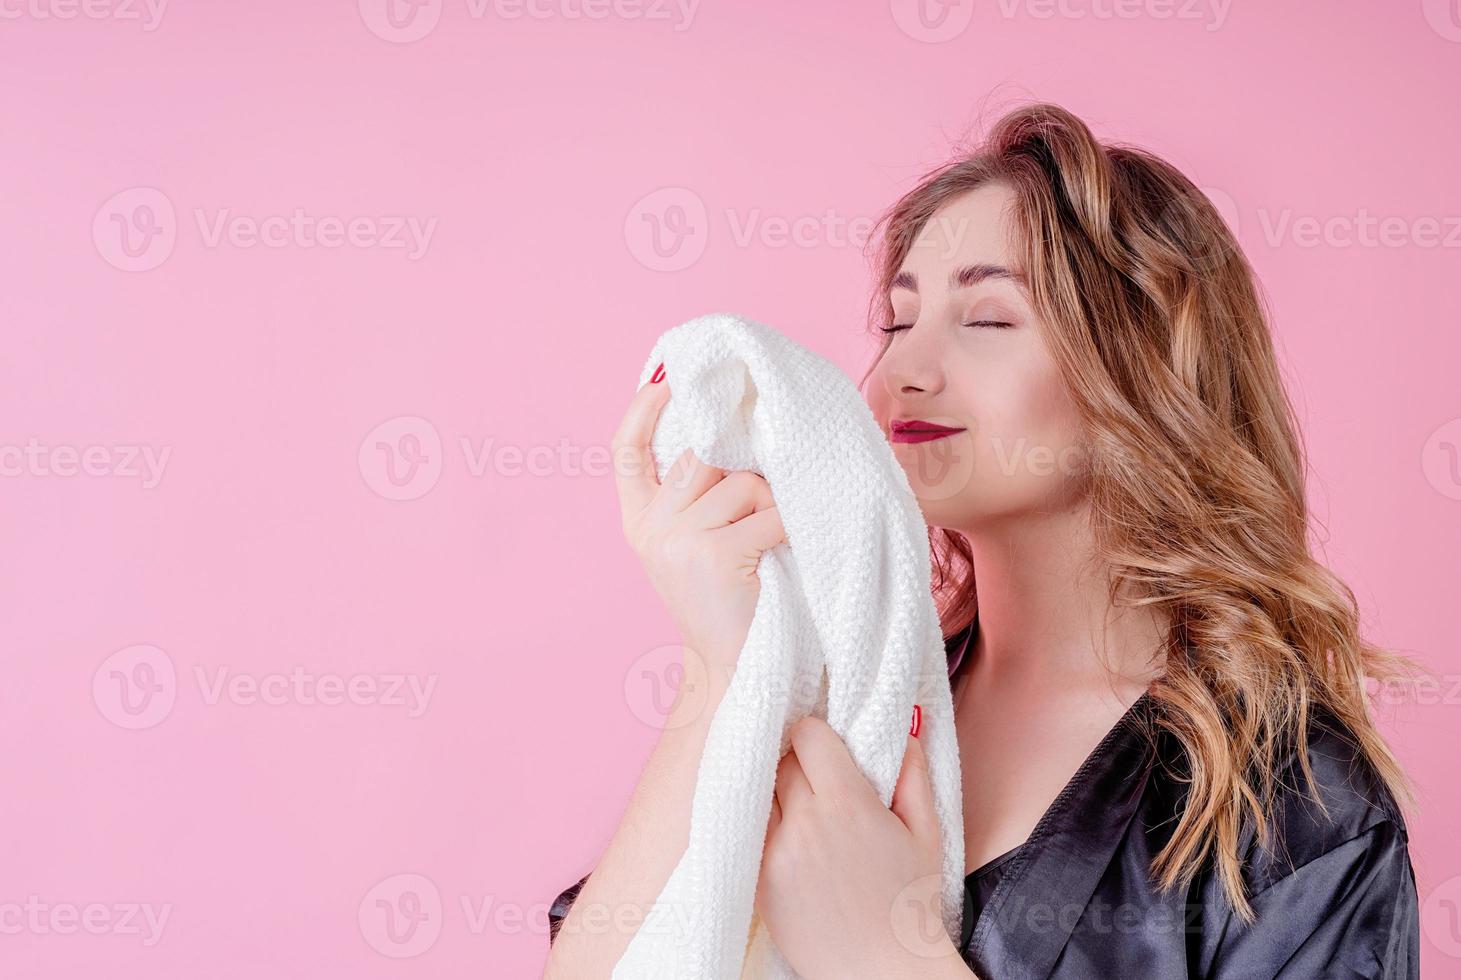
848, 591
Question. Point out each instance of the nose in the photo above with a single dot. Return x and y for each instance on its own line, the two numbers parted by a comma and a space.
913, 365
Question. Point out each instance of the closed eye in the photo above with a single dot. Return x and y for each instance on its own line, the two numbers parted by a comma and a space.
992, 324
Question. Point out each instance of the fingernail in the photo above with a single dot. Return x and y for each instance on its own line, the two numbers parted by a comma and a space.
917, 721
659, 374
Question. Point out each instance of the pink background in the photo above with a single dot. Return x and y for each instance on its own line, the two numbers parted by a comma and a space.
588, 182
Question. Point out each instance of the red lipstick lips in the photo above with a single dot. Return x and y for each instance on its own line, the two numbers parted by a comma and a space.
917, 430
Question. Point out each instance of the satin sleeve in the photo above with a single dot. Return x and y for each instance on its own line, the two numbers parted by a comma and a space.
558, 911
1352, 912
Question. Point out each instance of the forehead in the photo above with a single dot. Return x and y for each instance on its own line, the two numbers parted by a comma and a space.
974, 227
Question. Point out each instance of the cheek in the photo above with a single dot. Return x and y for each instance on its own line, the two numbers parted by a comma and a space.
875, 392
1040, 434
1027, 431
1050, 412
876, 395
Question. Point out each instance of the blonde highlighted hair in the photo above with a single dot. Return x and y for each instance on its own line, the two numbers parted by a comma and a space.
1197, 477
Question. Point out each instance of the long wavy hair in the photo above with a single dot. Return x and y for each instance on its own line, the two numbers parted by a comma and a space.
1197, 476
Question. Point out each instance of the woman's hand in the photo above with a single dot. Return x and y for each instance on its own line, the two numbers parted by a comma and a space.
849, 887
700, 535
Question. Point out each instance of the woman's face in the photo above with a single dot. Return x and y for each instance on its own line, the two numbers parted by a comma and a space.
971, 355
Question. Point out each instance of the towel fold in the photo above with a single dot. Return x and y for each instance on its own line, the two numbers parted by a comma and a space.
844, 628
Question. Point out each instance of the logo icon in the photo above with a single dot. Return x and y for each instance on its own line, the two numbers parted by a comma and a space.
400, 21
135, 229
1441, 459
401, 916
665, 679
135, 687
1444, 16
667, 229
400, 459
933, 21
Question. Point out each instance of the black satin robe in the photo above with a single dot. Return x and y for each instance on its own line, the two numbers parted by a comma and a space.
1337, 899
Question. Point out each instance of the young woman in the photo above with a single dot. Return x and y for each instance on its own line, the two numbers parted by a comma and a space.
1168, 763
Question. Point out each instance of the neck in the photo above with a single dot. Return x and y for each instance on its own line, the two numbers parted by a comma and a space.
1045, 611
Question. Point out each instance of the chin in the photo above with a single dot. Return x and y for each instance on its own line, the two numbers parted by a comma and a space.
936, 481
938, 511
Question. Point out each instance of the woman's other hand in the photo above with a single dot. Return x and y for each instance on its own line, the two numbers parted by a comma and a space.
849, 887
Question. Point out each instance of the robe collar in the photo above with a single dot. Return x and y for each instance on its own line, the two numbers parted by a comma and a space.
1045, 888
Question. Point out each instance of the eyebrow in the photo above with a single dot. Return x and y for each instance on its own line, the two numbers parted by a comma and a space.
962, 277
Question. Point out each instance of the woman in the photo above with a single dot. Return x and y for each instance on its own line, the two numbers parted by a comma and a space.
1169, 769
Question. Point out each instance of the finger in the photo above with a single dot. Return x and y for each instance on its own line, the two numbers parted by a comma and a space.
792, 788
829, 767
913, 795
760, 532
685, 482
738, 495
775, 819
634, 470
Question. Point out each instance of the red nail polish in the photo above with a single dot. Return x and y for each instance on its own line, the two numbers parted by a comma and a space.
917, 720
659, 374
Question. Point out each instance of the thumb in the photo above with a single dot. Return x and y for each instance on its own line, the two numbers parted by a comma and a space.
913, 795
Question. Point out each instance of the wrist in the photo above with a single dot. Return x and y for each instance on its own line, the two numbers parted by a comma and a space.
703, 683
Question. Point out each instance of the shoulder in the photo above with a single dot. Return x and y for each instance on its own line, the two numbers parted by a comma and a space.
1358, 812
1332, 890
1354, 808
